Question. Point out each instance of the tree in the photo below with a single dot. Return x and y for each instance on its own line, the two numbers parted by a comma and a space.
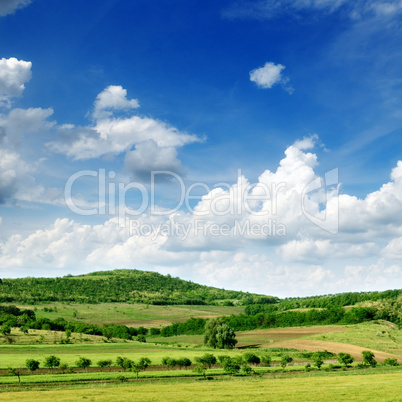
251, 358
104, 363
141, 338
5, 329
285, 360
63, 367
219, 335
172, 363
83, 363
52, 362
247, 369
200, 369
32, 365
107, 332
169, 362
208, 359
24, 330
140, 366
230, 366
15, 372
120, 362
345, 358
144, 363
184, 362
127, 364
368, 358
318, 361
391, 361
266, 359
135, 367
124, 362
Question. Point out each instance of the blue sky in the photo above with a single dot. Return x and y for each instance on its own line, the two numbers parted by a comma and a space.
281, 91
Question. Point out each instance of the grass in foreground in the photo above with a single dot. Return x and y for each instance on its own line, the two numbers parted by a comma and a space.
338, 387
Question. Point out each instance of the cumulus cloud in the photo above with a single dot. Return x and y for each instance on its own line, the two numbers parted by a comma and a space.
322, 250
220, 239
10, 6
114, 97
20, 122
14, 74
115, 135
148, 157
16, 180
393, 250
270, 74
12, 172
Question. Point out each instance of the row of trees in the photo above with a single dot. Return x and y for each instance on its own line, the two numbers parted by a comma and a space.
52, 362
231, 365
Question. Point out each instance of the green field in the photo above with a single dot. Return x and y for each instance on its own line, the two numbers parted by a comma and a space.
133, 315
369, 335
378, 335
157, 382
355, 386
16, 355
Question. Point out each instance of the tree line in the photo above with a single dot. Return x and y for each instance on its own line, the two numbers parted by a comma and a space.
230, 365
257, 319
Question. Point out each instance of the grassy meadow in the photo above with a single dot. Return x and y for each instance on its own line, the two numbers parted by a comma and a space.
357, 386
133, 315
158, 383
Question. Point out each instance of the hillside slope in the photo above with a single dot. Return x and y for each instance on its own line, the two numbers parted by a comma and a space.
123, 285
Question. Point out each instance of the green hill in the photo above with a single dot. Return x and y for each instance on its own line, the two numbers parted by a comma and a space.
122, 285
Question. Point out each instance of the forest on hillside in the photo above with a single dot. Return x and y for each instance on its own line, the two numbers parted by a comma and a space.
135, 286
123, 286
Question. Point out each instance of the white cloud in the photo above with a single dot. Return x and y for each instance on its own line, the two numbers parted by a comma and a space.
16, 180
148, 157
322, 250
20, 122
393, 250
115, 135
10, 6
114, 97
12, 172
14, 74
269, 75
308, 142
305, 260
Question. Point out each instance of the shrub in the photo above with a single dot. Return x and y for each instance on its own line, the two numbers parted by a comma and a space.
285, 360
391, 361
32, 365
83, 363
346, 359
251, 358
368, 358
